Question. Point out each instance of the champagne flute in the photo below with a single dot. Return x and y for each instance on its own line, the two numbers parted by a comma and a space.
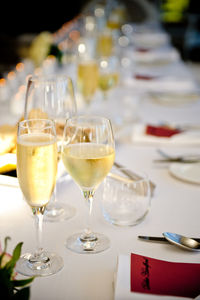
88, 154
36, 172
108, 74
87, 78
105, 43
52, 97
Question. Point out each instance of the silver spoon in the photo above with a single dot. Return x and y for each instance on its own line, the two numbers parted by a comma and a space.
182, 241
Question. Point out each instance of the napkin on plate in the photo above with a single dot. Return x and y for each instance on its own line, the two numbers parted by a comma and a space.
178, 88
158, 55
150, 40
140, 277
140, 135
161, 83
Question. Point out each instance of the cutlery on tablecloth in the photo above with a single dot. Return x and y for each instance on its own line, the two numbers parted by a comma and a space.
187, 158
159, 238
179, 160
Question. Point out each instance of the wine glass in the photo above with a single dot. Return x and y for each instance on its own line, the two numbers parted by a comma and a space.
36, 172
88, 154
52, 97
108, 74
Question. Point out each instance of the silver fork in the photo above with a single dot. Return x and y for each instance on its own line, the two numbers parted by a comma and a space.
187, 158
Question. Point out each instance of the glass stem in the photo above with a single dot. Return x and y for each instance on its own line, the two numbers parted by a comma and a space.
105, 96
88, 235
53, 197
38, 214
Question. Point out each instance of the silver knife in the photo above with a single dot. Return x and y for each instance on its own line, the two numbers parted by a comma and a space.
179, 160
158, 238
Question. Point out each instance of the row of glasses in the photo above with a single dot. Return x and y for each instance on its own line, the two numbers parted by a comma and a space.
97, 64
52, 97
94, 74
87, 151
88, 154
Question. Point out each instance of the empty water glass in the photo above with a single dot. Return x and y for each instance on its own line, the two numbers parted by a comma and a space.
126, 201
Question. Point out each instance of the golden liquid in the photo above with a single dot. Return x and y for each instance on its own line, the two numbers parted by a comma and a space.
37, 167
87, 79
105, 45
108, 81
88, 163
117, 18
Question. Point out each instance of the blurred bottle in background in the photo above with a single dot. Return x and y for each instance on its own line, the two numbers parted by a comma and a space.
192, 34
181, 19
173, 17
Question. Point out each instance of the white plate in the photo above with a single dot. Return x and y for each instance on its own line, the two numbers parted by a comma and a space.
186, 172
8, 158
9, 181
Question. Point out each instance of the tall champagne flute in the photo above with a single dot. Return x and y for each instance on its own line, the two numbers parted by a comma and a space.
87, 78
105, 43
88, 154
36, 172
52, 97
108, 74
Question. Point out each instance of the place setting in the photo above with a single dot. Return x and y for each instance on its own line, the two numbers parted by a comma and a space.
166, 134
184, 166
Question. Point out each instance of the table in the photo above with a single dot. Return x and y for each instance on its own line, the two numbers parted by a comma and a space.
175, 207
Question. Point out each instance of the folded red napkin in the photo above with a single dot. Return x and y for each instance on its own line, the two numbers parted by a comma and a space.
154, 276
143, 50
144, 77
161, 131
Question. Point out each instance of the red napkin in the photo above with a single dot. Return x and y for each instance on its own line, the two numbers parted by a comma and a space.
154, 276
143, 50
144, 77
161, 131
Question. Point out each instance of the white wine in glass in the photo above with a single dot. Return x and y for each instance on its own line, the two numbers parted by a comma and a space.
108, 75
36, 172
88, 154
52, 97
105, 43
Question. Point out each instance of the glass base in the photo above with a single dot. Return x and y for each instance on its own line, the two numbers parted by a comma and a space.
49, 263
58, 212
124, 220
78, 244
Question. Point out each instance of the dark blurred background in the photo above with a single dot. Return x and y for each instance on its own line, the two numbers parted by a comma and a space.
19, 23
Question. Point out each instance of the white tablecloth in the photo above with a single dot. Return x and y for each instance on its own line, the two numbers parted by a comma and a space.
175, 207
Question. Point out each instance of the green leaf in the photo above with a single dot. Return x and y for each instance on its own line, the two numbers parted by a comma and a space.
4, 250
17, 252
5, 243
1, 257
9, 289
23, 282
15, 256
